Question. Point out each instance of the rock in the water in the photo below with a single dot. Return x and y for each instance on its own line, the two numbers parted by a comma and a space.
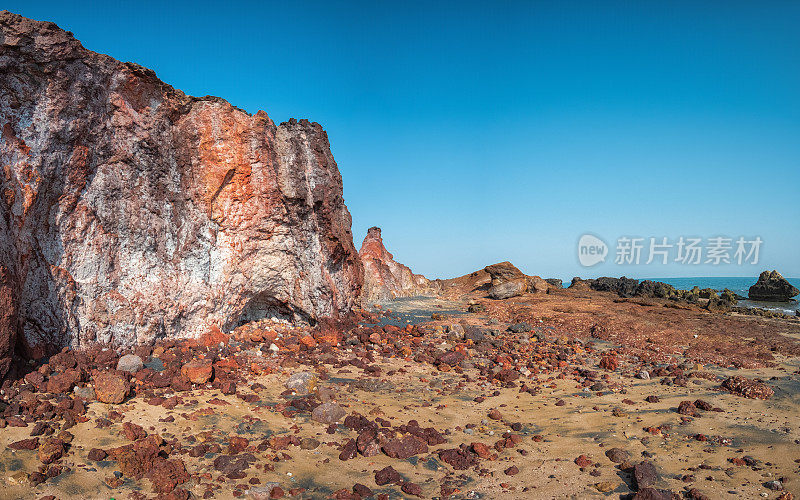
130, 363
747, 388
131, 211
772, 286
302, 383
328, 413
198, 371
111, 387
384, 278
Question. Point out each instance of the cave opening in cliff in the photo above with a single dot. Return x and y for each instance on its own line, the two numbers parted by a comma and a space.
265, 306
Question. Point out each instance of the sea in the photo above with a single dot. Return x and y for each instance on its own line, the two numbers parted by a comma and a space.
738, 285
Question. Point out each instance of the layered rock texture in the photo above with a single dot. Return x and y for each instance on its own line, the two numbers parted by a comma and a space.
131, 211
507, 281
772, 286
383, 277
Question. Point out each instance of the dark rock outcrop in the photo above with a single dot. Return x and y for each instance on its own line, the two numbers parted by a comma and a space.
384, 278
130, 211
772, 286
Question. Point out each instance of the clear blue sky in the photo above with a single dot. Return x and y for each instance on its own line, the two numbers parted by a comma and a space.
474, 133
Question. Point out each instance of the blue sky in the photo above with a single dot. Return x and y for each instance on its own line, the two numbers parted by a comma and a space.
475, 133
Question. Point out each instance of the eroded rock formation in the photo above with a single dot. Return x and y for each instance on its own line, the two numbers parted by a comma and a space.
131, 211
772, 286
383, 277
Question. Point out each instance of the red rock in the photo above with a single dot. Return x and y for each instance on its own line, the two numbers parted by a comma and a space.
609, 363
97, 454
387, 475
511, 471
495, 414
167, 474
50, 450
405, 447
481, 450
458, 459
25, 444
133, 432
131, 166
583, 461
384, 277
237, 444
412, 489
111, 387
198, 371
687, 408
747, 388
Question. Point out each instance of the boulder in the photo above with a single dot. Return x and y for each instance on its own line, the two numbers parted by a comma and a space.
504, 272
198, 371
130, 211
508, 289
772, 286
111, 387
302, 383
130, 363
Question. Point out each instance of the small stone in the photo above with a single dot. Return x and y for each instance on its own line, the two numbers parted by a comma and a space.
405, 447
387, 475
495, 414
412, 489
130, 363
511, 471
583, 461
97, 454
618, 455
328, 413
605, 486
302, 383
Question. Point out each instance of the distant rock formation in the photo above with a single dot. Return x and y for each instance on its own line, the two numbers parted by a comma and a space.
383, 277
131, 211
507, 281
772, 286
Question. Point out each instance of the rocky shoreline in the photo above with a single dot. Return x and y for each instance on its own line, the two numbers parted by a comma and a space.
538, 395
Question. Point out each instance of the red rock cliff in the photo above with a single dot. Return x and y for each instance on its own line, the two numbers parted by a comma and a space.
383, 277
130, 211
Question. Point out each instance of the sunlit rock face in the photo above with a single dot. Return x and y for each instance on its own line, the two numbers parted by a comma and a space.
131, 211
383, 277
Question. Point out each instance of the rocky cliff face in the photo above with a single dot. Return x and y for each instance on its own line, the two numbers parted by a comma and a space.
131, 211
383, 277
